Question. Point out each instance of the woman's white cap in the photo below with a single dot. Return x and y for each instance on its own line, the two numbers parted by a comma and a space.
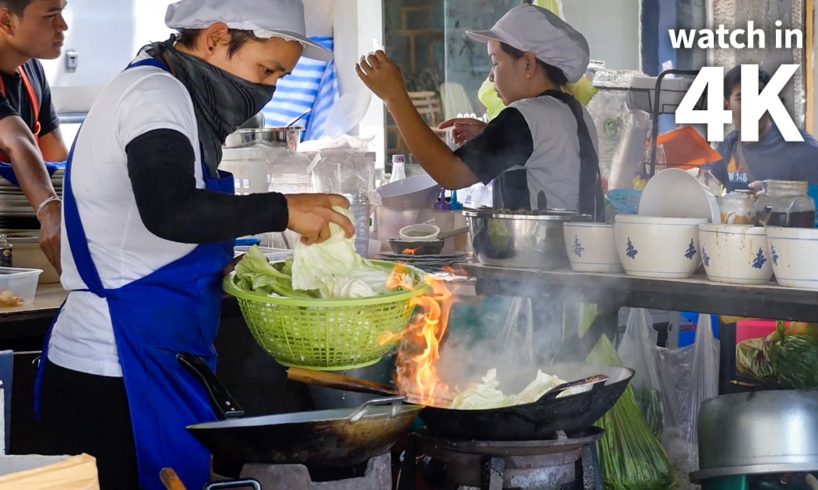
539, 31
266, 18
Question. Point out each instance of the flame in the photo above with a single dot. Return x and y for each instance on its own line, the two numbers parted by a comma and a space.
419, 351
409, 251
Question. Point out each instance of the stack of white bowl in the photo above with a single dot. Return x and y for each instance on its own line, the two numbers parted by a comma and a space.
679, 228
662, 241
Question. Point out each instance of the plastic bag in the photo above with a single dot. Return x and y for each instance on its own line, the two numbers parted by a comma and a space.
622, 132
688, 376
637, 349
671, 384
630, 456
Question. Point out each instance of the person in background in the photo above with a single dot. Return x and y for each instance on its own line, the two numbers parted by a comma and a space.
583, 90
29, 126
143, 255
540, 151
746, 164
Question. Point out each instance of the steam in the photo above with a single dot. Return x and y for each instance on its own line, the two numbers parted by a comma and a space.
527, 338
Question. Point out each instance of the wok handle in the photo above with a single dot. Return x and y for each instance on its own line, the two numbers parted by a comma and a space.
250, 482
591, 380
223, 403
359, 412
338, 381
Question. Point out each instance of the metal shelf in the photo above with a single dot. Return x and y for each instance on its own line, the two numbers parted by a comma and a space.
696, 294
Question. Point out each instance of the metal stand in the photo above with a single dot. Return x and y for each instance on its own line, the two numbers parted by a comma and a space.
656, 111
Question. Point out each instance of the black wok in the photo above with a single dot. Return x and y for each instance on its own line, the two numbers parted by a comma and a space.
537, 420
319, 439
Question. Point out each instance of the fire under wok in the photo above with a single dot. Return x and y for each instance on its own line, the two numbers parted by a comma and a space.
530, 421
320, 439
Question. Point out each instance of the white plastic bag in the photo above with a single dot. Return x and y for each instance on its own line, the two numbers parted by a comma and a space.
637, 349
681, 378
688, 376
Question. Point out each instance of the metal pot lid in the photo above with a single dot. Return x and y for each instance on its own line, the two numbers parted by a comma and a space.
760, 469
539, 215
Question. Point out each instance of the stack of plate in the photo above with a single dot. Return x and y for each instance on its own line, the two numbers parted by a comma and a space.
428, 263
16, 214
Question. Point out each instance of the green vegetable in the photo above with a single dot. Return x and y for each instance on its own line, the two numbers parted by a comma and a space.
752, 361
331, 269
630, 456
794, 359
787, 358
255, 273
650, 403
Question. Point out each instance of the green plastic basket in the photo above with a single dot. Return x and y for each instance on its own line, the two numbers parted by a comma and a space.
325, 335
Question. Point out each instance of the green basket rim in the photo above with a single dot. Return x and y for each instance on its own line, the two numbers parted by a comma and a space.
229, 287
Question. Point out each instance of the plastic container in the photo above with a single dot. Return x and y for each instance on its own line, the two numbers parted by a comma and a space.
19, 283
29, 255
361, 212
250, 168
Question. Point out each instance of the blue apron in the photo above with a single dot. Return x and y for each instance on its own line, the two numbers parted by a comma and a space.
175, 309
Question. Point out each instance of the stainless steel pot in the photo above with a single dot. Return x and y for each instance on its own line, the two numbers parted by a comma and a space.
529, 241
284, 137
756, 433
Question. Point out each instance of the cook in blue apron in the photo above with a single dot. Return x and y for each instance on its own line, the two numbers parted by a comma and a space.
176, 308
152, 319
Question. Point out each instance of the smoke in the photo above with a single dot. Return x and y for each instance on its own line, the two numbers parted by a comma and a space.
517, 335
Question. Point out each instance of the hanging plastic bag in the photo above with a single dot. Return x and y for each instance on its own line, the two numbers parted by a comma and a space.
705, 381
630, 456
687, 376
638, 351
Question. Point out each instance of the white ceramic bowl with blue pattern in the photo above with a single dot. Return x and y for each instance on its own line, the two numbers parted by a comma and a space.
735, 254
591, 248
655, 247
794, 256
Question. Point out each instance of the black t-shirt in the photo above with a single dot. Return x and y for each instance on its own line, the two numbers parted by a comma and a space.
16, 101
505, 143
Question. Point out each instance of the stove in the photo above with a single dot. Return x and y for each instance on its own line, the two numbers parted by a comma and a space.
375, 474
562, 463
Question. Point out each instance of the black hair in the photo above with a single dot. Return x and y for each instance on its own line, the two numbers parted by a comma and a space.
238, 38
733, 79
15, 6
552, 72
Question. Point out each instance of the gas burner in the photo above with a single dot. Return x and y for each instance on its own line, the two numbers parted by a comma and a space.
376, 474
562, 463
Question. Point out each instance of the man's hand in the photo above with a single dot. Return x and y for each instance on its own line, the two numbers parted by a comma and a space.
464, 128
50, 233
381, 76
311, 214
758, 187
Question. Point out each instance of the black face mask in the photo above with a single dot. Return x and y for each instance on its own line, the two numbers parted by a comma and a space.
222, 101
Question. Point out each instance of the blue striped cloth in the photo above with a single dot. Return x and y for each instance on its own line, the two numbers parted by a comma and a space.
312, 85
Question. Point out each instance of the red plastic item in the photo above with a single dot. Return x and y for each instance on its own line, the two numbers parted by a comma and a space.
685, 148
754, 329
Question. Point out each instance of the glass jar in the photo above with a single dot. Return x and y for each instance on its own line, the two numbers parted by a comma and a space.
5, 252
788, 203
737, 208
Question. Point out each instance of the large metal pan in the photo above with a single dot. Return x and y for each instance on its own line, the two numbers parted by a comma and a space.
319, 439
537, 420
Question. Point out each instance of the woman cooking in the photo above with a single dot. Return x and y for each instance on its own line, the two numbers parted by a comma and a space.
148, 229
540, 151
